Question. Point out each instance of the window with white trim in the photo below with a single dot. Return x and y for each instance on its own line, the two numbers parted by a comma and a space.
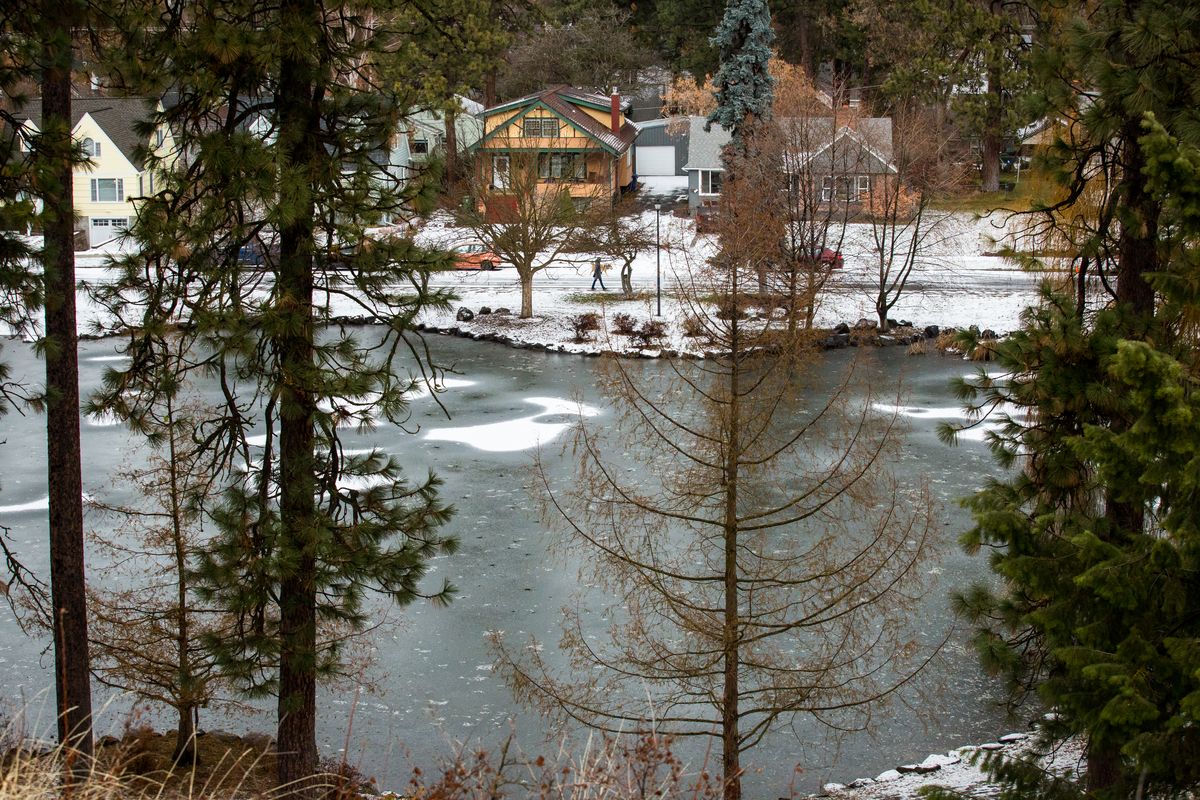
108, 190
420, 147
711, 180
864, 186
91, 148
540, 127
500, 170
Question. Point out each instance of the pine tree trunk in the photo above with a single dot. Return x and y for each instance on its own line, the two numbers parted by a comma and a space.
65, 482
990, 179
489, 88
299, 135
526, 295
451, 147
1137, 247
1103, 767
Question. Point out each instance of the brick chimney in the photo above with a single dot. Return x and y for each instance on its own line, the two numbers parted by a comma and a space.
616, 112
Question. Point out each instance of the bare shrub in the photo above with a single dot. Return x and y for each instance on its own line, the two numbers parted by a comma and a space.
606, 768
584, 324
651, 333
624, 324
693, 327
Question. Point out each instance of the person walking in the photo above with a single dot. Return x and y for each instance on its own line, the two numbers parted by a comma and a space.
598, 275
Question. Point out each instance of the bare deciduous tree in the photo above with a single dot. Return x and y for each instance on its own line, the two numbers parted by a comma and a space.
147, 637
906, 231
623, 235
763, 563
529, 222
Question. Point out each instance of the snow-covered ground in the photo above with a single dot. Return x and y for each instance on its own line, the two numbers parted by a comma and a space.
956, 285
957, 770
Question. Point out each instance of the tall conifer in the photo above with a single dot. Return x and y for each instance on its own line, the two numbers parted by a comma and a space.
743, 82
253, 231
1094, 535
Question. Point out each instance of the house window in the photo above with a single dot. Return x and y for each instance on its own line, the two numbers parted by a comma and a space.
108, 190
500, 170
420, 147
120, 223
91, 148
159, 137
710, 181
541, 127
561, 166
849, 189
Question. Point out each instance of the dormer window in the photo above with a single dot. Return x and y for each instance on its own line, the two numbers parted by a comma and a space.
91, 148
420, 147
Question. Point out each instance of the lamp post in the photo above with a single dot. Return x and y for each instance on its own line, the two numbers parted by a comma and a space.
657, 259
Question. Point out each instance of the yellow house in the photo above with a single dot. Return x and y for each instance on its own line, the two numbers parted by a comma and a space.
575, 140
106, 188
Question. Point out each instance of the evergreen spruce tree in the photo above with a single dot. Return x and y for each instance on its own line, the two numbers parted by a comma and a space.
1095, 534
743, 82
254, 228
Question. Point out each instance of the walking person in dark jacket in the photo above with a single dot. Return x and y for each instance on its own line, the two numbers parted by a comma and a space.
598, 275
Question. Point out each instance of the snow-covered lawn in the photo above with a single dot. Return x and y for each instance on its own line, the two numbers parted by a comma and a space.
957, 285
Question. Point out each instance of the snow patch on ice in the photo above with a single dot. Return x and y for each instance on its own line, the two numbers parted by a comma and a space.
523, 433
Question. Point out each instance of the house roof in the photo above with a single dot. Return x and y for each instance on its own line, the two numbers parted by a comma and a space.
814, 135
565, 101
116, 116
705, 146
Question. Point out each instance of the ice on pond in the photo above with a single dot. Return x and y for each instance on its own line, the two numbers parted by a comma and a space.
523, 433
422, 387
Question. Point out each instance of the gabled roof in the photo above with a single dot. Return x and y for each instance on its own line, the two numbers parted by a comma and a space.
873, 150
565, 101
705, 146
598, 101
815, 135
116, 116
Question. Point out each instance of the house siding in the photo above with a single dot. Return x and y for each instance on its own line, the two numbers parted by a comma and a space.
605, 174
110, 164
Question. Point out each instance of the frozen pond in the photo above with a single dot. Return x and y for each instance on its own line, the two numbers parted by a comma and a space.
434, 676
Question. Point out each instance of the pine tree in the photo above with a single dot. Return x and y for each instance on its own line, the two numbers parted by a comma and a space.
39, 41
1095, 535
278, 122
743, 81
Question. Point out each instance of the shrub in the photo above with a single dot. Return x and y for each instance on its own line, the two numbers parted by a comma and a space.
652, 331
624, 324
693, 327
584, 324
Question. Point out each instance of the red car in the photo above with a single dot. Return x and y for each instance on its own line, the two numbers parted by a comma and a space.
830, 258
475, 256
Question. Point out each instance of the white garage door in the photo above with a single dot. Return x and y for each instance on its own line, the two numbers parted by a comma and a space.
656, 160
105, 229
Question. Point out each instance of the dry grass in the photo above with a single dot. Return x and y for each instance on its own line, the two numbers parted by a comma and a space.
139, 767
